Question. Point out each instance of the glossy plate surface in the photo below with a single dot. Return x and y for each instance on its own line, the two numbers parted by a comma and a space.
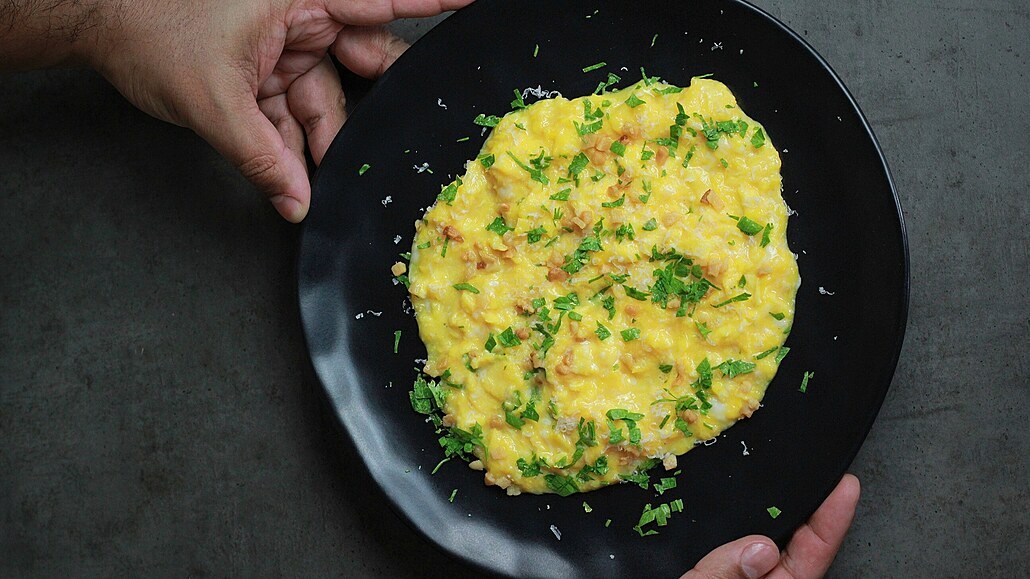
848, 232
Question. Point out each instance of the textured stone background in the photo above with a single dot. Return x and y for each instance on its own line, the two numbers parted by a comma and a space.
157, 412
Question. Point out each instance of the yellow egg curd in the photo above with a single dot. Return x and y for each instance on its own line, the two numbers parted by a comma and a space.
607, 285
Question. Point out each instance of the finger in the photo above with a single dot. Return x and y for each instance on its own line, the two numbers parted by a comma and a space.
815, 544
316, 100
245, 136
367, 50
747, 558
277, 109
383, 11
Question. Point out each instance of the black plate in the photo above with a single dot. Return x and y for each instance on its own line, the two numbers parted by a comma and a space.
848, 231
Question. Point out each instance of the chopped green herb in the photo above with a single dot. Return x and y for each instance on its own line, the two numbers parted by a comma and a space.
595, 66
396, 340
766, 353
579, 162
466, 287
782, 354
748, 226
424, 245
618, 148
491, 343
737, 298
635, 293
586, 507
486, 160
703, 328
462, 140
448, 193
733, 368
758, 139
498, 226
804, 381
653, 39
665, 368
630, 334
602, 332
633, 101
765, 234
364, 168
607, 523
665, 484
486, 120
723, 162
773, 512
534, 235
518, 103
562, 485
536, 50
587, 128
651, 225
508, 339
777, 315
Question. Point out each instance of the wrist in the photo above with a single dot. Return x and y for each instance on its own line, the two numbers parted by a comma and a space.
61, 33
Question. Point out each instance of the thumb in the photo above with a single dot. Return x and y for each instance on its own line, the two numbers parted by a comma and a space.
747, 558
245, 136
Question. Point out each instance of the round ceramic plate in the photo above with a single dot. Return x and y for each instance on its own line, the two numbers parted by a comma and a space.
847, 231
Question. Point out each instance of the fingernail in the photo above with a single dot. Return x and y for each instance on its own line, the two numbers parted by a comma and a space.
757, 559
288, 207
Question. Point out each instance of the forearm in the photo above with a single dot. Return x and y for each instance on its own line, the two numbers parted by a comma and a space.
42, 33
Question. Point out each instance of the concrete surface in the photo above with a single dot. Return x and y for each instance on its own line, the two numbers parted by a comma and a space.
157, 413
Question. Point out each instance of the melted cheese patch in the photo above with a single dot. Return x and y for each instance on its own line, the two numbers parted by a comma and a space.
602, 283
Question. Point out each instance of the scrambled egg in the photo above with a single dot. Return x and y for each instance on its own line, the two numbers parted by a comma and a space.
608, 284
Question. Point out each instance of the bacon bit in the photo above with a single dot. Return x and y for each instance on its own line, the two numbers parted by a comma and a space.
689, 415
522, 333
448, 420
495, 422
714, 268
398, 268
480, 265
451, 233
504, 208
624, 139
565, 366
748, 410
632, 310
613, 192
468, 256
669, 462
712, 198
660, 155
596, 157
535, 360
557, 274
630, 132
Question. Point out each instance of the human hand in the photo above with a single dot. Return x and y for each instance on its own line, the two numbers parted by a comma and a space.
252, 77
807, 556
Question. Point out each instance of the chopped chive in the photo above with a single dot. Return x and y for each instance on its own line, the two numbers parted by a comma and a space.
462, 140
396, 340
466, 287
804, 381
595, 66
364, 168
454, 493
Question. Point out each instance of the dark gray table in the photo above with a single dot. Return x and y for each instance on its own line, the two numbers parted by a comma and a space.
158, 415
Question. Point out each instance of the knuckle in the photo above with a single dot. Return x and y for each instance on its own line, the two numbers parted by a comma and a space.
260, 169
